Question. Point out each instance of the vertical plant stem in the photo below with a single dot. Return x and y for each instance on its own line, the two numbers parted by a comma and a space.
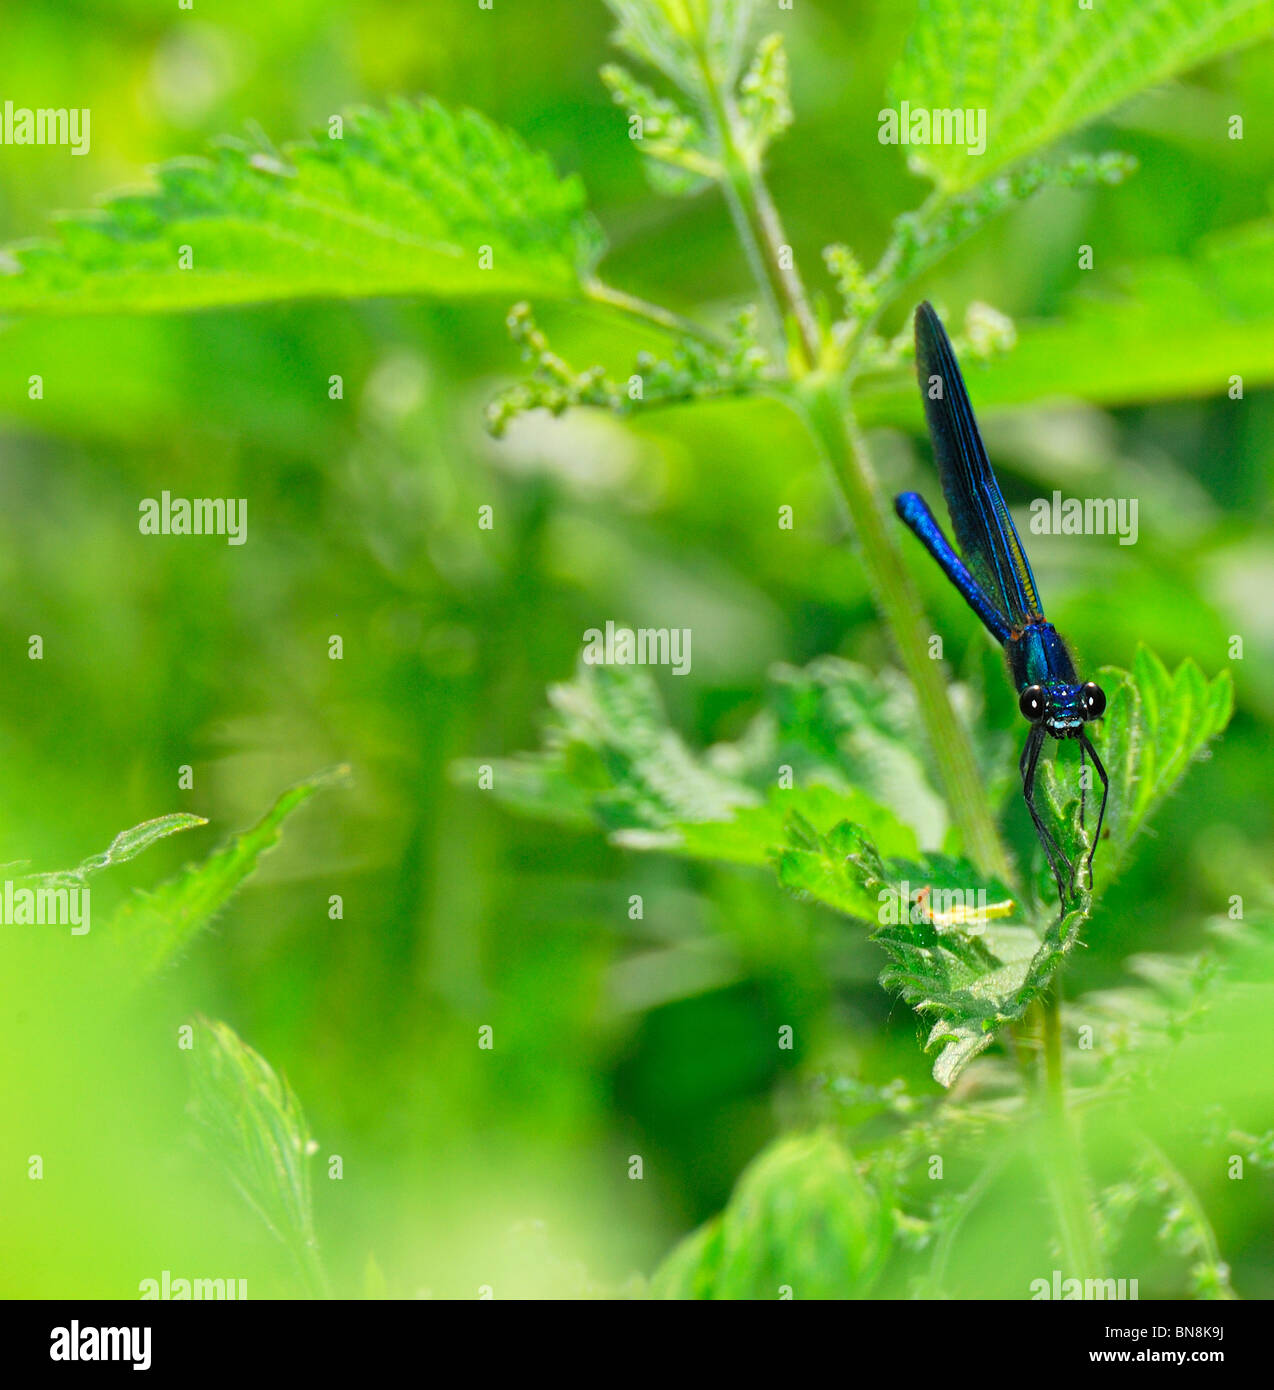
826, 414
845, 451
754, 210
757, 221
1063, 1159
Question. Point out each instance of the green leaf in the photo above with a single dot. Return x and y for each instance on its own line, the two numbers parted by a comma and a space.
1158, 330
613, 759
801, 1223
966, 955
852, 740
755, 834
681, 158
128, 844
765, 99
1042, 68
402, 204
1156, 724
694, 43
254, 1126
152, 927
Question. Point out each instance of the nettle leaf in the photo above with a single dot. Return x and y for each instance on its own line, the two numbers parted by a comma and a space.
152, 927
700, 46
756, 834
1159, 330
851, 741
801, 1223
613, 761
253, 1125
682, 37
680, 156
835, 720
1156, 724
966, 955
765, 97
404, 203
1041, 68
128, 844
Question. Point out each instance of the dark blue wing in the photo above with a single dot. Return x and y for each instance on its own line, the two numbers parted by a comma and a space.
988, 539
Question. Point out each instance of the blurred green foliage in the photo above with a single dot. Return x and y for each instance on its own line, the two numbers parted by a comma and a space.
510, 1167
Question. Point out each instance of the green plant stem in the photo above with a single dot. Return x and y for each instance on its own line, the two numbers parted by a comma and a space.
820, 395
1063, 1160
754, 209
896, 598
757, 221
600, 293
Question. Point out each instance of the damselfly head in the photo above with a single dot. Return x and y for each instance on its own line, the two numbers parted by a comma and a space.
1061, 708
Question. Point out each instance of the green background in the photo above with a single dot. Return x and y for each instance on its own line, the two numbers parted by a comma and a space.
509, 1168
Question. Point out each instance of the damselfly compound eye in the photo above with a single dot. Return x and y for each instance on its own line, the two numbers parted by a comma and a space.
1031, 703
1092, 700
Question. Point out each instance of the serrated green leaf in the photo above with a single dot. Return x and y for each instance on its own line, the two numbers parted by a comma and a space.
402, 204
611, 760
1042, 68
765, 99
680, 158
1155, 330
152, 927
253, 1125
975, 986
690, 41
966, 954
754, 834
801, 1223
1156, 724
961, 1044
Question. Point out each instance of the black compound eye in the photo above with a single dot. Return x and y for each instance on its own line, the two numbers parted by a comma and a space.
1031, 703
1092, 700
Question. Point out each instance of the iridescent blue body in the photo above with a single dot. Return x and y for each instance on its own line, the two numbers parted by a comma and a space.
994, 576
